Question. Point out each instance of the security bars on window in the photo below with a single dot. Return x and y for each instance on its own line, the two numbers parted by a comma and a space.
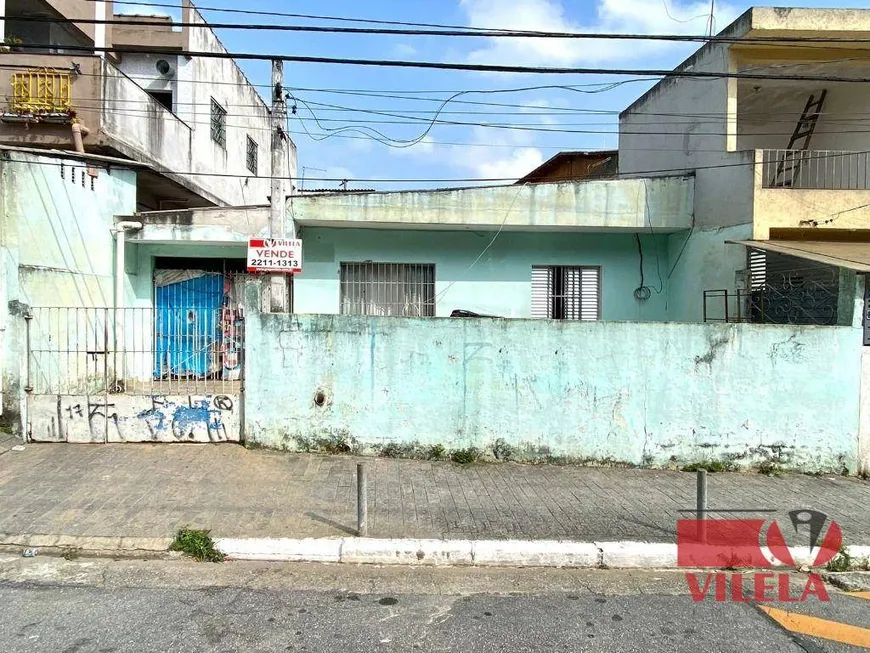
252, 159
388, 289
218, 123
566, 293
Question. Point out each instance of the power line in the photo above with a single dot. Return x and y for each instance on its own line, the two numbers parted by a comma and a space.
247, 56
637, 175
523, 127
458, 31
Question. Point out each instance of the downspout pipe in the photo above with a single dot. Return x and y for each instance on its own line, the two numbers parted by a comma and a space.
120, 231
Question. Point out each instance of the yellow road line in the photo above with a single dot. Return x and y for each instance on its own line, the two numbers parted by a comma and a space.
860, 595
822, 628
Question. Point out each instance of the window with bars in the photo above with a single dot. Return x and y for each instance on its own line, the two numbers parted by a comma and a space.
218, 123
388, 289
253, 155
566, 293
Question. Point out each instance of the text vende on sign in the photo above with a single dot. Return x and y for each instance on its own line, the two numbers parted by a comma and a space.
274, 255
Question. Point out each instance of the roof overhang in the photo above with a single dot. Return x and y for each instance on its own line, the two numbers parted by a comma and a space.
849, 255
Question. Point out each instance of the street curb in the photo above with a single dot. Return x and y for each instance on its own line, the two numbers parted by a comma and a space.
401, 551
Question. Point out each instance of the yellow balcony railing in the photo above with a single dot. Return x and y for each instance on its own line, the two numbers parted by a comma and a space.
41, 91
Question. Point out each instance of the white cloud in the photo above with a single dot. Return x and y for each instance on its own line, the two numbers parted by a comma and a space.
146, 10
517, 164
514, 156
424, 147
621, 16
404, 50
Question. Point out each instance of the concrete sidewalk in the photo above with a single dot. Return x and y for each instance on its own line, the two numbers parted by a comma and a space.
149, 491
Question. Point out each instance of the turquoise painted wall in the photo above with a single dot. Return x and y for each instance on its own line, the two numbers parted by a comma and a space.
644, 393
500, 283
55, 244
701, 260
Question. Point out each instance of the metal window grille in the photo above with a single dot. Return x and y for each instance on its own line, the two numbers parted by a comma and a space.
566, 293
253, 155
388, 289
218, 123
41, 91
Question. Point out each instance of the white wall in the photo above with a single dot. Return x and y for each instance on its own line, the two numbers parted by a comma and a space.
248, 115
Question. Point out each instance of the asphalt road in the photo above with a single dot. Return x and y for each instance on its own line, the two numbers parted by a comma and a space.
106, 607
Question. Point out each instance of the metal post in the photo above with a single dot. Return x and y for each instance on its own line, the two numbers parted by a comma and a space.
701, 506
28, 376
362, 508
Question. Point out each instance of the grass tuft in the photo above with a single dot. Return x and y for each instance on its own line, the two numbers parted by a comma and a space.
196, 544
842, 562
713, 466
465, 456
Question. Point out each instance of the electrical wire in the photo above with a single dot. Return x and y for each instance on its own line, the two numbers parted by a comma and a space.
460, 31
507, 213
434, 65
505, 180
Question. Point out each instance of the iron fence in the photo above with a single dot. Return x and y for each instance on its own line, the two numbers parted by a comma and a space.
813, 304
85, 351
816, 169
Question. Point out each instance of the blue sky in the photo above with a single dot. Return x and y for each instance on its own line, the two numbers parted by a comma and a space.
461, 151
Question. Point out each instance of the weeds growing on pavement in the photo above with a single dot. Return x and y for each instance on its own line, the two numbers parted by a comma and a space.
71, 554
842, 562
196, 544
771, 468
713, 466
502, 450
465, 456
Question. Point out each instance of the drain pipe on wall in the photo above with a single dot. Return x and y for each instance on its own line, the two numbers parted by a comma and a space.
120, 231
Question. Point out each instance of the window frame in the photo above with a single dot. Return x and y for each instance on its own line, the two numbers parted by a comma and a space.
555, 276
218, 123
252, 155
383, 289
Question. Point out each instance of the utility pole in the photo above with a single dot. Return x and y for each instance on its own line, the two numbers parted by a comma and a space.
277, 227
278, 294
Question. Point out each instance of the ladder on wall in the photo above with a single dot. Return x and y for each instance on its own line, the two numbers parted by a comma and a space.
789, 165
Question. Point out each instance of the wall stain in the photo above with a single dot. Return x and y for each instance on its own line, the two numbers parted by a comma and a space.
715, 345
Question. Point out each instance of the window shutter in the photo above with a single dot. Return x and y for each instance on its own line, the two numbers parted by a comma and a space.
590, 294
566, 293
541, 291
757, 269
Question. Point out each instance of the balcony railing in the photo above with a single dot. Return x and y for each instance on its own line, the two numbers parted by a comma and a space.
816, 169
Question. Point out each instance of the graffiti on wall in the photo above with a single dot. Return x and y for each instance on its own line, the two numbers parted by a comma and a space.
130, 418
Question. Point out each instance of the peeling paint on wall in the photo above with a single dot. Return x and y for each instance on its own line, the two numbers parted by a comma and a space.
655, 394
130, 418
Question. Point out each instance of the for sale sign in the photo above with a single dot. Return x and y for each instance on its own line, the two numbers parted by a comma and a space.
274, 255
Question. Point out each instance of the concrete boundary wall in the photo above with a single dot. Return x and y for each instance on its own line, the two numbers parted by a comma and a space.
121, 418
654, 394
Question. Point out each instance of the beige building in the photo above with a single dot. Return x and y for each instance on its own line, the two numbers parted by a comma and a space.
780, 153
198, 122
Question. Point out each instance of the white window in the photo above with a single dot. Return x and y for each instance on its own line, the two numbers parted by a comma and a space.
566, 292
404, 289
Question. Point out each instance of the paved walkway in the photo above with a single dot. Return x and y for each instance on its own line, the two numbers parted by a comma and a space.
151, 490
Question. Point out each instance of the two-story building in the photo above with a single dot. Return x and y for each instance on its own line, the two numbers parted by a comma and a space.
773, 130
198, 122
88, 133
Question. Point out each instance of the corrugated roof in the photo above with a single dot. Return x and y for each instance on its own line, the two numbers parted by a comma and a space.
849, 255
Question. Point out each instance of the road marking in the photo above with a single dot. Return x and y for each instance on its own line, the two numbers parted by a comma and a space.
821, 628
859, 595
